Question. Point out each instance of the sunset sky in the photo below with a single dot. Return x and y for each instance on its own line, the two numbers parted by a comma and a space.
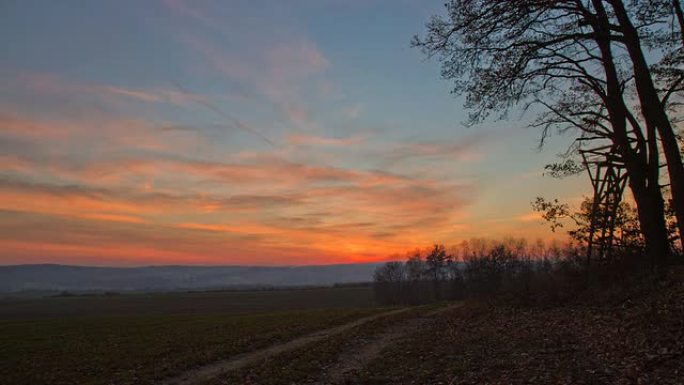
247, 132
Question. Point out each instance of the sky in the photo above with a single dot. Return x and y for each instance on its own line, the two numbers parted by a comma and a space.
247, 132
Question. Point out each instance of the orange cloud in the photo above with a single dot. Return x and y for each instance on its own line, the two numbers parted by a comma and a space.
311, 210
363, 220
155, 244
113, 217
13, 125
93, 188
529, 217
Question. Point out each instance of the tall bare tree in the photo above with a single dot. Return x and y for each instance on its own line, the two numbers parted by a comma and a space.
634, 27
566, 57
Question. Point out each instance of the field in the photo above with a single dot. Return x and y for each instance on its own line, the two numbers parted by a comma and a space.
185, 303
142, 338
339, 336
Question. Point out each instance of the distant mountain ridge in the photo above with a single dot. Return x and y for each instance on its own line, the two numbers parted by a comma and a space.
49, 277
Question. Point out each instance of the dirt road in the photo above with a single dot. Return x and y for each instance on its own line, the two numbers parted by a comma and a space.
207, 372
351, 359
358, 356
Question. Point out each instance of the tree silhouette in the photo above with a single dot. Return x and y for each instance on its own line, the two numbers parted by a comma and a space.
436, 262
580, 61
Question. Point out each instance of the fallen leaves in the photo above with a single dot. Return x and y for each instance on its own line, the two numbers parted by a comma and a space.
634, 341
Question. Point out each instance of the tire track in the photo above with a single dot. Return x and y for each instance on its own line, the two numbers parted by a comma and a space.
356, 358
213, 370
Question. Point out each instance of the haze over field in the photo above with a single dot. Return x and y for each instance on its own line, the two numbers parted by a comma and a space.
165, 278
179, 132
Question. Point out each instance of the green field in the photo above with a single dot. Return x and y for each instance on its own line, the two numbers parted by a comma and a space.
137, 339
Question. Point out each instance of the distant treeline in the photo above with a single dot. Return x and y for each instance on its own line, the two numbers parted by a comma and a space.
512, 267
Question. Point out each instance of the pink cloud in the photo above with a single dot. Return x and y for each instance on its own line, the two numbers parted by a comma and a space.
16, 126
102, 132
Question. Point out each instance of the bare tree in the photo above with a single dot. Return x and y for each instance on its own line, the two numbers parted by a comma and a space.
415, 267
388, 282
635, 26
562, 56
436, 262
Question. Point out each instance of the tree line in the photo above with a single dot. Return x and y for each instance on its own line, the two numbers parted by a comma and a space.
528, 272
474, 268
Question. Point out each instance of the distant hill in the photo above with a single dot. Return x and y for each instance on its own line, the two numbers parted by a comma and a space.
167, 278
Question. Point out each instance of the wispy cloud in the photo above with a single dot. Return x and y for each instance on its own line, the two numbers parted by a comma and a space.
353, 112
281, 70
54, 85
464, 149
313, 140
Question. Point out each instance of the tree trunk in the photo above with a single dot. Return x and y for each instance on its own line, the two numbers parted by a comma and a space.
654, 111
680, 17
650, 205
648, 197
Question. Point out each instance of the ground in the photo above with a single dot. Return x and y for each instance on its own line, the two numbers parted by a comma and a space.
186, 303
634, 338
631, 339
142, 338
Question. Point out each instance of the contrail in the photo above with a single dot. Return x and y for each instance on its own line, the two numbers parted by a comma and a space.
235, 122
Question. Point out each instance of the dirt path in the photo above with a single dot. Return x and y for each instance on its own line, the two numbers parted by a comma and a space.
214, 370
356, 358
